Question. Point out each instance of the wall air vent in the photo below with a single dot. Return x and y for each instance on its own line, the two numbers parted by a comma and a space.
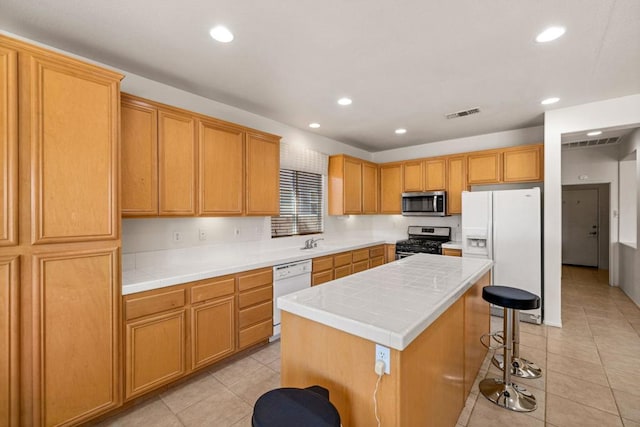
590, 143
463, 113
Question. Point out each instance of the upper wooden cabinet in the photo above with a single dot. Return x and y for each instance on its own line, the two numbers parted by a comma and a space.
412, 176
221, 169
8, 146
484, 167
523, 164
263, 175
435, 174
73, 117
369, 188
139, 132
352, 186
176, 164
457, 179
179, 163
391, 188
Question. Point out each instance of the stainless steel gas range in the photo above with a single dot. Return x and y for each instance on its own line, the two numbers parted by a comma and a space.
423, 239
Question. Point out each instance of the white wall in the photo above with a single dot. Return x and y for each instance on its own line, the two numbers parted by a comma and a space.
488, 141
628, 202
624, 111
629, 254
597, 165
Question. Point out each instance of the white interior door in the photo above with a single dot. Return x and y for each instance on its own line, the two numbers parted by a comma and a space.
580, 227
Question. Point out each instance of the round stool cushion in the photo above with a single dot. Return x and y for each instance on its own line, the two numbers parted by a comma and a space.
284, 407
508, 297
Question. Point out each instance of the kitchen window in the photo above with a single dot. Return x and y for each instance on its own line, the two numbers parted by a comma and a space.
300, 204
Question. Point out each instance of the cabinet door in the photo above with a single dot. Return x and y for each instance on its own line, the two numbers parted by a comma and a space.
360, 266
484, 168
369, 188
343, 271
321, 277
352, 186
263, 176
139, 159
477, 321
456, 167
391, 189
221, 169
412, 176
523, 164
76, 307
176, 163
389, 252
212, 331
74, 125
8, 147
154, 352
9, 334
435, 175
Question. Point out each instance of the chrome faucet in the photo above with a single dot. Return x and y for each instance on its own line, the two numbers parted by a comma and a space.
311, 243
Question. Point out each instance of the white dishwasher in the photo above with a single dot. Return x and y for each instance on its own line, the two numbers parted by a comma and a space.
288, 278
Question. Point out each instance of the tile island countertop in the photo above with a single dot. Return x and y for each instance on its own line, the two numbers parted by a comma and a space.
391, 304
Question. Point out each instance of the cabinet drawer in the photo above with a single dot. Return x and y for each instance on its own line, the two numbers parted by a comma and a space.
255, 314
255, 296
322, 277
452, 252
322, 263
342, 271
342, 259
255, 333
150, 304
360, 266
255, 279
212, 289
374, 262
376, 251
360, 255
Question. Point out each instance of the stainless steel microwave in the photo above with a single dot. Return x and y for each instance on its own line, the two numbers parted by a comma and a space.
430, 203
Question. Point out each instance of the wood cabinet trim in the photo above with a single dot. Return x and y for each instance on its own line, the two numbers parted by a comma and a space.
9, 146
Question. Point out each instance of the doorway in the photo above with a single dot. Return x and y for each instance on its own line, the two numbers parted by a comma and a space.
585, 225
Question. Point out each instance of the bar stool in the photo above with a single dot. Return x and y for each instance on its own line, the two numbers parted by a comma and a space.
504, 392
292, 407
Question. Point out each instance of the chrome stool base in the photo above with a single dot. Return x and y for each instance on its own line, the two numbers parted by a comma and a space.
510, 396
520, 367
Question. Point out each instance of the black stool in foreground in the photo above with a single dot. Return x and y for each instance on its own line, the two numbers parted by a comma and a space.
504, 392
294, 407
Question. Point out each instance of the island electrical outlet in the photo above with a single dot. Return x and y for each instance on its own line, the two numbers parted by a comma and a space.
383, 353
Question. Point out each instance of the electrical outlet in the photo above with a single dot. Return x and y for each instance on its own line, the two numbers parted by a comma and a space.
177, 236
383, 353
202, 234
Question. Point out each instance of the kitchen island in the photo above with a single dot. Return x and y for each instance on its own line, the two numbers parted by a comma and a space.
427, 309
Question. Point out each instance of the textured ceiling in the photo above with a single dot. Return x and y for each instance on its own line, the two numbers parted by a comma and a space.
405, 63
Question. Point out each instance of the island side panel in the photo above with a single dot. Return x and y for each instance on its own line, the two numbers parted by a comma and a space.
477, 321
432, 370
313, 353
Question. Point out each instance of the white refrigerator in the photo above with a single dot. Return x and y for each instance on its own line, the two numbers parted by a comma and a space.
505, 226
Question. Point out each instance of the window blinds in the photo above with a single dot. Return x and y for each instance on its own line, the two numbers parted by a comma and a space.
300, 204
296, 157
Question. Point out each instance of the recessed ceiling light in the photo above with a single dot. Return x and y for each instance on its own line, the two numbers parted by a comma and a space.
550, 34
549, 101
595, 133
345, 101
221, 34
401, 131
314, 125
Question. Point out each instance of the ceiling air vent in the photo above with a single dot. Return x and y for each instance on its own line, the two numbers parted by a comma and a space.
463, 113
590, 143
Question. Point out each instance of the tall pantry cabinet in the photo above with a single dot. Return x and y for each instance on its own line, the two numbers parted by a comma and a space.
59, 238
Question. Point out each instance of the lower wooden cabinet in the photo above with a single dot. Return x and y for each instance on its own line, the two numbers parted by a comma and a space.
255, 315
155, 352
9, 335
452, 252
360, 266
212, 331
477, 321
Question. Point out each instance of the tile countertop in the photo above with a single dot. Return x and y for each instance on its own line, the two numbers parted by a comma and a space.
452, 245
391, 304
158, 269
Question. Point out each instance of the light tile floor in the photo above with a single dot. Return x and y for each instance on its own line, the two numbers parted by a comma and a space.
591, 372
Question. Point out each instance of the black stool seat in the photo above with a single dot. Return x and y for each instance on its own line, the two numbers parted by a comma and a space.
508, 297
294, 407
